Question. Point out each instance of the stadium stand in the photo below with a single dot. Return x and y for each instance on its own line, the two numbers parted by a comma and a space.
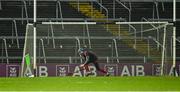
14, 16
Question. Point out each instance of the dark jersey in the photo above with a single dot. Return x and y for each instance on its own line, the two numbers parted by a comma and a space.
89, 57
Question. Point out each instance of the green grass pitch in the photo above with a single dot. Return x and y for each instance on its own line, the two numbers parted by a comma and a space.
91, 84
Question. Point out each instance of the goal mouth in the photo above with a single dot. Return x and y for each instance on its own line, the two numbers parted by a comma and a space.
149, 40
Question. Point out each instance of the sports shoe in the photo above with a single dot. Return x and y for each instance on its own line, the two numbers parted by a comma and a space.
107, 74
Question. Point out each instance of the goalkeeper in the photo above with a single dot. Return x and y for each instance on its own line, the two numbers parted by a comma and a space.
89, 57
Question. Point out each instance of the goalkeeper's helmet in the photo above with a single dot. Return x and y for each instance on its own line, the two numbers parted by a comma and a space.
81, 50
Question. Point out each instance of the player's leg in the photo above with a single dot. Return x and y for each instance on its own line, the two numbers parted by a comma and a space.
96, 64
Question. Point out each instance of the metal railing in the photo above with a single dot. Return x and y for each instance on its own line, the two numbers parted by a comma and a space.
129, 9
116, 49
43, 50
58, 6
96, 0
52, 34
60, 19
113, 38
16, 32
87, 30
157, 42
52, 0
0, 6
70, 59
153, 27
26, 11
79, 44
107, 13
155, 6
6, 51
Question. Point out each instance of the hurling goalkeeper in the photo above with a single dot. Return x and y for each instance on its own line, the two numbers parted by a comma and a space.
89, 57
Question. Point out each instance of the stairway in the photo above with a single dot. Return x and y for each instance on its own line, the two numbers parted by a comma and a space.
141, 46
88, 10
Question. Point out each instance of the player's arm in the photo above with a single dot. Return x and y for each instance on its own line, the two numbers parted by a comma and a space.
86, 57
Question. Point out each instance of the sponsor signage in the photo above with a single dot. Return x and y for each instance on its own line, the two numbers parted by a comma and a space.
12, 70
61, 70
156, 69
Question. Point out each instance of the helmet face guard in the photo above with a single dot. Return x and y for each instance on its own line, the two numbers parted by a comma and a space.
81, 51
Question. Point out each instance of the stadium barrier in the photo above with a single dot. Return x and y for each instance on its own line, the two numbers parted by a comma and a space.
115, 69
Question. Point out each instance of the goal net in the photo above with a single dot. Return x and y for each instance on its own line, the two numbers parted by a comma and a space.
117, 42
27, 61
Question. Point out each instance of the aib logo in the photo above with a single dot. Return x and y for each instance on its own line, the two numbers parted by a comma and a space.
111, 69
12, 71
62, 70
156, 69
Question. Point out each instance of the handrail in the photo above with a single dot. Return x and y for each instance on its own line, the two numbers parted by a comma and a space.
53, 0
12, 29
60, 10
178, 40
79, 45
115, 46
134, 35
157, 9
163, 19
101, 4
150, 37
156, 41
153, 27
107, 13
0, 6
25, 7
78, 4
52, 32
59, 19
74, 37
146, 21
114, 9
96, 0
70, 60
5, 46
87, 29
101, 58
163, 6
2, 52
149, 23
147, 30
129, 9
107, 59
44, 55
15, 26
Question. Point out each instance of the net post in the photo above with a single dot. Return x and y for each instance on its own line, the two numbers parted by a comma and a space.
174, 38
34, 36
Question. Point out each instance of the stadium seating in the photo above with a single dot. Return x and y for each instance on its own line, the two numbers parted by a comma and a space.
68, 48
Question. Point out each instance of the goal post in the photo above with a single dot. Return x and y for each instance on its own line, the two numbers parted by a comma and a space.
157, 37
28, 63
